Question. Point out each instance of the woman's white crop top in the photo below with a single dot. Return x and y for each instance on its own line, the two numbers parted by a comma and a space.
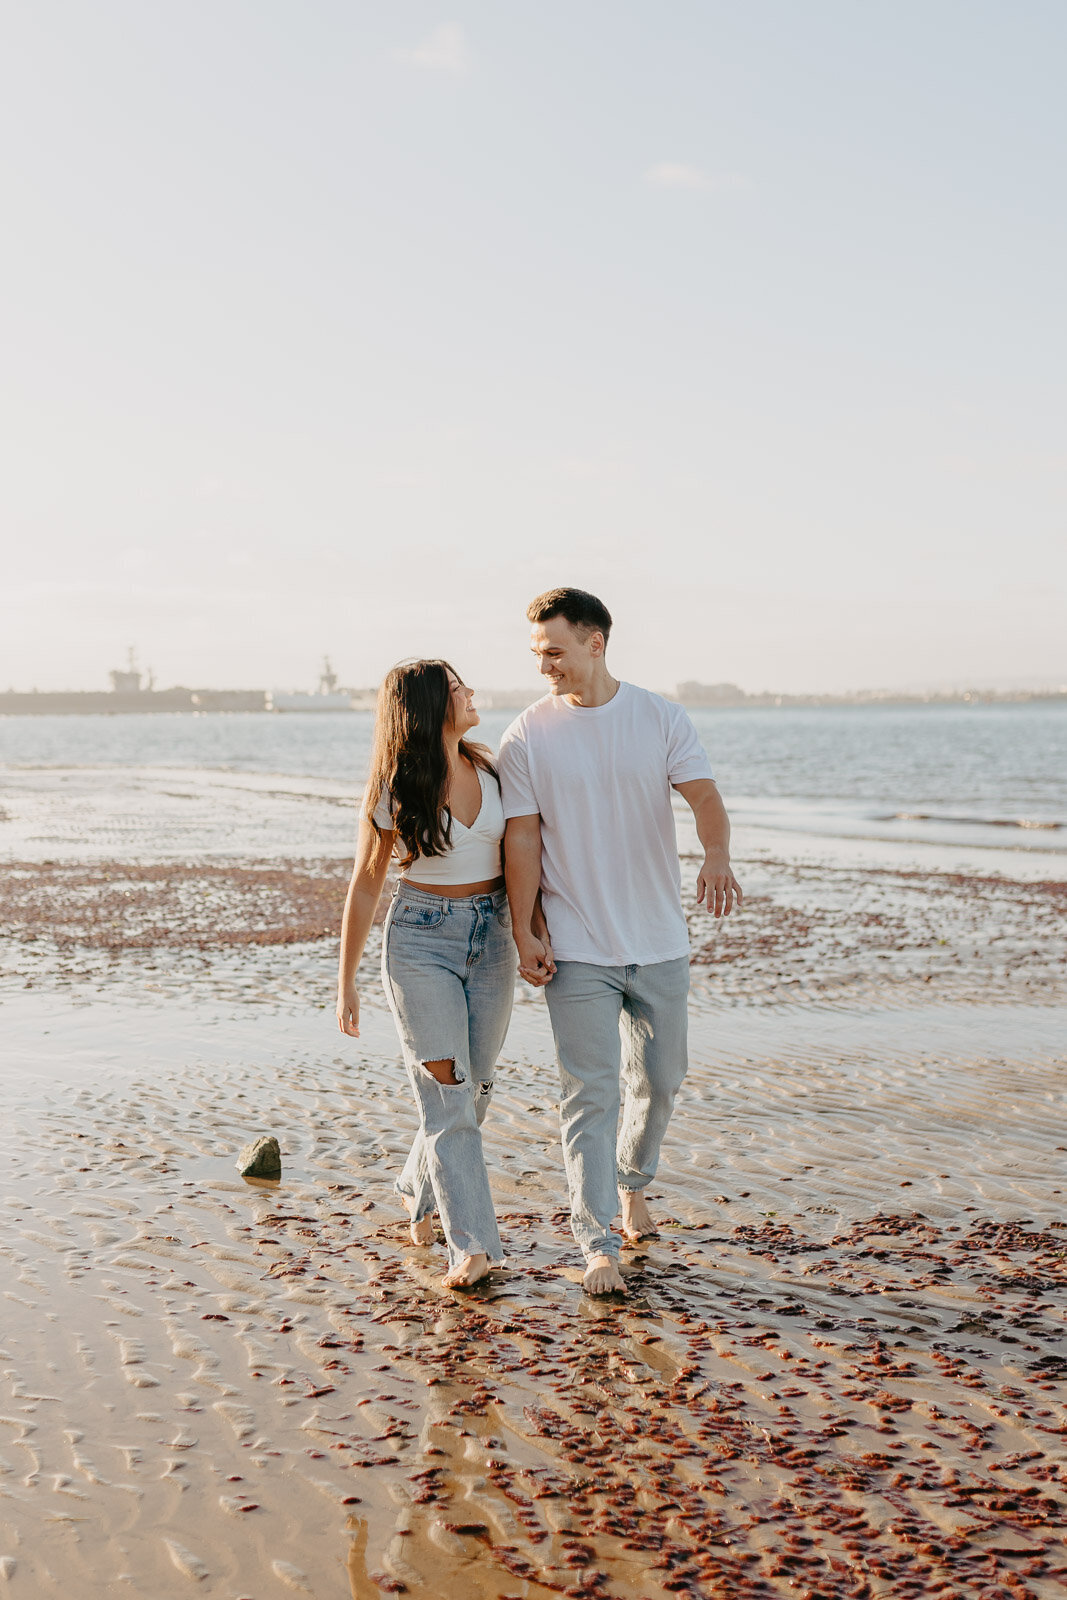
475, 853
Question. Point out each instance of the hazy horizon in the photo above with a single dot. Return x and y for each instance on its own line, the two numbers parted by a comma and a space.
347, 329
534, 685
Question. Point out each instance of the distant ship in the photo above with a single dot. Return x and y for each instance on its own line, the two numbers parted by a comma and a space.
129, 679
327, 697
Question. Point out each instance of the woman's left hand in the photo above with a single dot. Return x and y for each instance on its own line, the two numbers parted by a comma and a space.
536, 961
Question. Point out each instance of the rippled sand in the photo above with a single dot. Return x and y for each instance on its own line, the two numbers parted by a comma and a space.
839, 1371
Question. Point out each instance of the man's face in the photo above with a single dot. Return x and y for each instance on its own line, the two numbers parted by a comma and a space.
563, 655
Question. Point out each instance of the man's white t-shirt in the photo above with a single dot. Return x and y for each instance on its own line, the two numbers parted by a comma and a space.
600, 778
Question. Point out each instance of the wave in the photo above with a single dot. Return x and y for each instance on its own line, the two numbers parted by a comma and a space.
1029, 823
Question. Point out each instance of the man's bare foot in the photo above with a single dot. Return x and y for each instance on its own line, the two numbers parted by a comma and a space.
602, 1276
421, 1231
466, 1273
637, 1221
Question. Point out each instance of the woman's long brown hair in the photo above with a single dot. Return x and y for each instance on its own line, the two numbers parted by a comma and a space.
414, 707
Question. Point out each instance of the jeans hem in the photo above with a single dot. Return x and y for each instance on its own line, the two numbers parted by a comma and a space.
589, 1253
406, 1194
492, 1260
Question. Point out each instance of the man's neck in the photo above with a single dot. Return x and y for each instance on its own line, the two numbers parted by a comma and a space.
602, 689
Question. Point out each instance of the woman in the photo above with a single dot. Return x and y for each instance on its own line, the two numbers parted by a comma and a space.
448, 961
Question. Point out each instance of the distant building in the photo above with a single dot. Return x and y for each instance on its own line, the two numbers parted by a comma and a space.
710, 694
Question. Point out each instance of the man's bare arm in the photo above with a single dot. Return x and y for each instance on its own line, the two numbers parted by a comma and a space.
716, 885
522, 870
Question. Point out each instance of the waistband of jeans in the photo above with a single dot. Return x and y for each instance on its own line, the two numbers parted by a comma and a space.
496, 897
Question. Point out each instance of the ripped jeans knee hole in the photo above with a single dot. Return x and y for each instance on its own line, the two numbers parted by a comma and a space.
443, 1071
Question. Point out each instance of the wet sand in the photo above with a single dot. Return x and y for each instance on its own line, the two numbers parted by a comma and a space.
840, 1370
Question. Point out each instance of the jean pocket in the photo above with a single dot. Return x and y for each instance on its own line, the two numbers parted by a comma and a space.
503, 916
410, 915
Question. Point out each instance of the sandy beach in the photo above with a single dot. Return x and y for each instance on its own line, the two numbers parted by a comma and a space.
840, 1370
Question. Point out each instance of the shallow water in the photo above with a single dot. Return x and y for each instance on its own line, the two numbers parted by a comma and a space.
942, 774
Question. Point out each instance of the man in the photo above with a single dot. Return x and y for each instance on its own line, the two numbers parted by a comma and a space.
595, 891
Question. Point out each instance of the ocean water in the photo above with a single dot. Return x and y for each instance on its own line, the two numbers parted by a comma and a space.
984, 778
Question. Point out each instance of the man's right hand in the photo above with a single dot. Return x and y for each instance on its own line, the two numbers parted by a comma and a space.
537, 964
348, 1011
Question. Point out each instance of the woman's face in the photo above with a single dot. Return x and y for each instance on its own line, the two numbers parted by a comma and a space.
462, 715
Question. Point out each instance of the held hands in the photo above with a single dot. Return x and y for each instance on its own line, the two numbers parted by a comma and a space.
717, 888
348, 1011
537, 964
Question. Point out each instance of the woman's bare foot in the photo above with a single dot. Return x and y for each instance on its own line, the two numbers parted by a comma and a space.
602, 1276
421, 1231
466, 1273
637, 1221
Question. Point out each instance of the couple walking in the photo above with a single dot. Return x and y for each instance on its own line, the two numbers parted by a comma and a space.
579, 805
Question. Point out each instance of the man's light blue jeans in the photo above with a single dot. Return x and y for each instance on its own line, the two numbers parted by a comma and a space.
603, 1019
448, 967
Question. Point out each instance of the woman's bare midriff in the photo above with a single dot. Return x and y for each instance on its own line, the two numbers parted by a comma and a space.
456, 891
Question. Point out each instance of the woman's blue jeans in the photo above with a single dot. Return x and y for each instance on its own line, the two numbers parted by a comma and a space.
449, 968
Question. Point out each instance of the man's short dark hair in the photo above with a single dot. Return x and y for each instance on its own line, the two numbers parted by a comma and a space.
576, 606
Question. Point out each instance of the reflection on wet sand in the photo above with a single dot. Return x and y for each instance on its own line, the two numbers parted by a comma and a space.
839, 1370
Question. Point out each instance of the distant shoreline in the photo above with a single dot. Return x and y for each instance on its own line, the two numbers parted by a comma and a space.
201, 702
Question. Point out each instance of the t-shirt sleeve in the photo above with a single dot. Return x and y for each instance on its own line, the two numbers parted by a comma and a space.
383, 811
686, 757
516, 789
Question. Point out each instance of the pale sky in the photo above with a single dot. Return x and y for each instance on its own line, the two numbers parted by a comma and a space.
348, 327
